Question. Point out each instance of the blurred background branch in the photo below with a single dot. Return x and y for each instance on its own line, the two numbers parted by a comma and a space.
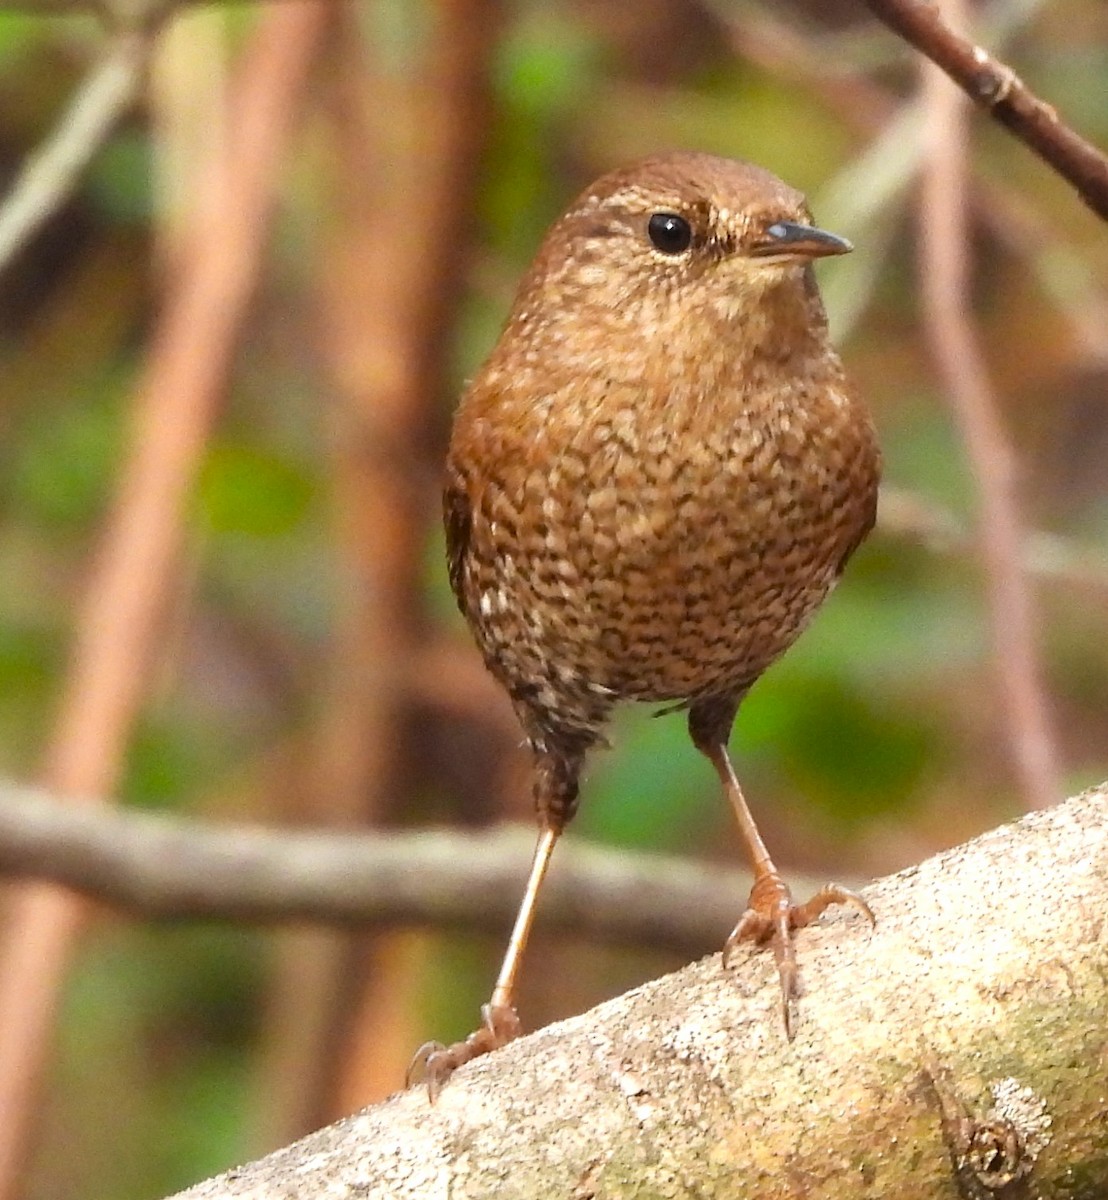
158, 867
1045, 555
51, 173
944, 280
122, 616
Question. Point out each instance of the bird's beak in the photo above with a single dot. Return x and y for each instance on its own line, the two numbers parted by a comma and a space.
787, 239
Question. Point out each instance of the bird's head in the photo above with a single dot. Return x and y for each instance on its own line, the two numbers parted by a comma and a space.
676, 248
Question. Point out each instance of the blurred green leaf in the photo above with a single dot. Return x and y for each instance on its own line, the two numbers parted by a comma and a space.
922, 453
540, 65
20, 33
28, 658
853, 759
654, 791
457, 979
159, 1026
544, 68
62, 469
162, 763
119, 178
251, 491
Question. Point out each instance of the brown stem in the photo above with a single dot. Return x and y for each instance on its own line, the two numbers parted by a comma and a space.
389, 303
121, 622
996, 87
944, 256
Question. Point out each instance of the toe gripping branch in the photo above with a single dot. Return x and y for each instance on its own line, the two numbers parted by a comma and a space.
772, 917
434, 1063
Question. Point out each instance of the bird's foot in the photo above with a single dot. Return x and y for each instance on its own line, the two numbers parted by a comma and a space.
772, 916
435, 1063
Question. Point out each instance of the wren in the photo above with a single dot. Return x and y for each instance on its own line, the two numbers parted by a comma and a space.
653, 482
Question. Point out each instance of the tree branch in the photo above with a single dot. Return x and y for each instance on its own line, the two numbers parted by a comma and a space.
50, 174
944, 286
158, 866
996, 87
960, 1045
1049, 556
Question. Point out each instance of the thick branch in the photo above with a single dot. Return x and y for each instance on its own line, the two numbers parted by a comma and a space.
996, 87
959, 1044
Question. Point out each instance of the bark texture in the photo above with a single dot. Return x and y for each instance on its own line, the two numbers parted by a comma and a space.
958, 1050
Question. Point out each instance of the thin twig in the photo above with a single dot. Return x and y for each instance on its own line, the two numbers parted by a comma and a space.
52, 170
862, 200
906, 514
994, 86
155, 867
1066, 272
943, 260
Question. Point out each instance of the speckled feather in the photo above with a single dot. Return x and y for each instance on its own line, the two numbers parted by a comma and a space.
660, 471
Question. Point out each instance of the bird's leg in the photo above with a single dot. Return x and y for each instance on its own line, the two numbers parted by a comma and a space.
556, 797
771, 915
500, 1023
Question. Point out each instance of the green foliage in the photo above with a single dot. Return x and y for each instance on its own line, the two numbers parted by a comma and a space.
922, 454
653, 791
172, 1012
20, 38
165, 761
28, 659
254, 492
544, 71
852, 759
119, 180
62, 468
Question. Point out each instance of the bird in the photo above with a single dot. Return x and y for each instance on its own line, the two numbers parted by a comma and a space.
652, 483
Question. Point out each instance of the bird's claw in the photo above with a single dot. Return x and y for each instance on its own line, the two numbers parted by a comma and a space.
434, 1062
772, 917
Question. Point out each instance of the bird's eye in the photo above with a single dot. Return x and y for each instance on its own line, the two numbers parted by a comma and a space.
669, 233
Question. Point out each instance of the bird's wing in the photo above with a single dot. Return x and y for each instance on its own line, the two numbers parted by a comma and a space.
457, 518
867, 524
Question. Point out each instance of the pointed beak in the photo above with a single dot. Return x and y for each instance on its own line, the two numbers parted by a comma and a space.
787, 239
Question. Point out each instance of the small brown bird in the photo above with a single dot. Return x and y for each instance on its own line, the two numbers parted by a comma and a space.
653, 482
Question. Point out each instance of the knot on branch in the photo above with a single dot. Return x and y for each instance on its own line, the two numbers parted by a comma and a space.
996, 81
992, 1153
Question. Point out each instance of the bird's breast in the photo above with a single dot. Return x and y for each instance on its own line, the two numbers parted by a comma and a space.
658, 555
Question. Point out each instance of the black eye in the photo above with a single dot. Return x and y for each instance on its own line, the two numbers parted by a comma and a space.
670, 233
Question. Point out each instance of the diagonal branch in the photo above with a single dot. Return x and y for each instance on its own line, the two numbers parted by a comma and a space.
52, 171
121, 621
865, 193
996, 87
1048, 556
959, 1045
